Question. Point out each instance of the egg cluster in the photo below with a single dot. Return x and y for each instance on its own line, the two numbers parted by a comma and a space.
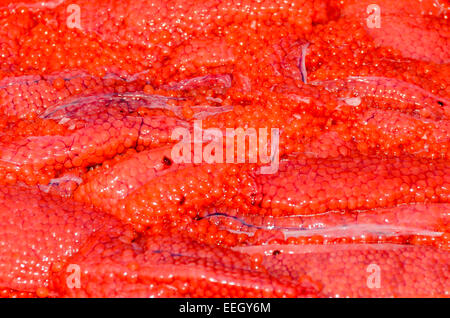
95, 202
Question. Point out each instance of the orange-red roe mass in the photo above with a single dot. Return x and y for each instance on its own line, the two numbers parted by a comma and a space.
93, 194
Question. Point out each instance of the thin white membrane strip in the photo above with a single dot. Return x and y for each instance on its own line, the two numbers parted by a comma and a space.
314, 248
322, 229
